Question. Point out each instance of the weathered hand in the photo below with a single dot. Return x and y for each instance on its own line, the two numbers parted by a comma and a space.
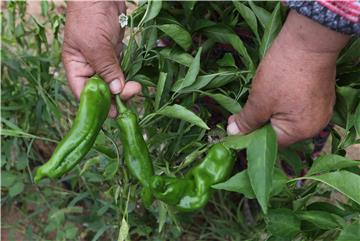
92, 44
294, 86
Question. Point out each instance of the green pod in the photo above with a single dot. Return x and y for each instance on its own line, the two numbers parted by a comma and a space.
136, 154
93, 109
193, 191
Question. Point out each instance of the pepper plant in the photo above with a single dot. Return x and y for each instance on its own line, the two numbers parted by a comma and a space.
195, 61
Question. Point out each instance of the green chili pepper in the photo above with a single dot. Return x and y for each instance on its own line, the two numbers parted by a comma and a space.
136, 153
193, 191
94, 106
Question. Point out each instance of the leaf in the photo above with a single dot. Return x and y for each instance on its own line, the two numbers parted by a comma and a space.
7, 179
124, 230
271, 30
283, 222
279, 182
210, 80
228, 103
100, 232
152, 10
239, 183
178, 34
357, 120
238, 142
345, 182
293, 159
261, 154
248, 15
178, 56
351, 232
160, 88
227, 61
222, 34
191, 74
321, 219
330, 162
262, 14
16, 189
352, 53
180, 112
346, 100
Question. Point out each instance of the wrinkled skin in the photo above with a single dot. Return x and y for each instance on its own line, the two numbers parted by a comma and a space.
92, 44
294, 86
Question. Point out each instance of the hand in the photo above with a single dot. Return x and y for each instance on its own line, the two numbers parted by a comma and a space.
294, 86
92, 44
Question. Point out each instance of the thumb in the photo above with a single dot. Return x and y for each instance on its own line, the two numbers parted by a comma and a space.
106, 64
253, 116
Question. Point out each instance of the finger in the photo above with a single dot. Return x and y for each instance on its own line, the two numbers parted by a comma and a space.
131, 89
105, 62
254, 115
77, 71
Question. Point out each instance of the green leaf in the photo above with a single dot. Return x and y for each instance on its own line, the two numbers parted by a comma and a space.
262, 14
347, 99
222, 34
330, 162
351, 232
283, 222
321, 219
206, 80
191, 74
152, 10
345, 182
180, 112
227, 61
293, 159
7, 179
178, 34
228, 103
160, 88
357, 120
271, 30
279, 182
261, 154
239, 183
238, 142
124, 230
178, 56
16, 189
352, 53
248, 16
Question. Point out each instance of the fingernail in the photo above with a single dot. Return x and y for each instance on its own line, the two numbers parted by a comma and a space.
232, 129
115, 86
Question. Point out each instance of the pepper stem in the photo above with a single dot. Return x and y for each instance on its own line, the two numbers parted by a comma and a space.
119, 105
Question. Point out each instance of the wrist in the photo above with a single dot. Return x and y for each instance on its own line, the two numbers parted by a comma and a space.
309, 36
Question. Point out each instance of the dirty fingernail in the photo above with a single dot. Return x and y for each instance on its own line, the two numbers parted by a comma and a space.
115, 86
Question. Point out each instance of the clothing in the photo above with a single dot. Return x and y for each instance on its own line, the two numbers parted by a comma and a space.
341, 16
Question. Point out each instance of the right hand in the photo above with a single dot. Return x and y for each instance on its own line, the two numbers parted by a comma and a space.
92, 45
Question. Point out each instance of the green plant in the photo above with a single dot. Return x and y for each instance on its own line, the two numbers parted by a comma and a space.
195, 61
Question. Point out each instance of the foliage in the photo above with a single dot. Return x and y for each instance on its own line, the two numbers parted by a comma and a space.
195, 61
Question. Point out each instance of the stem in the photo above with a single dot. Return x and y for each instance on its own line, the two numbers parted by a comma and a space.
119, 105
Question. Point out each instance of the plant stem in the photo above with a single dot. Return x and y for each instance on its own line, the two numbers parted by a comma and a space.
119, 105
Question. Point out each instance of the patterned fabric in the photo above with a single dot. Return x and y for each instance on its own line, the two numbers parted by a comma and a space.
341, 16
